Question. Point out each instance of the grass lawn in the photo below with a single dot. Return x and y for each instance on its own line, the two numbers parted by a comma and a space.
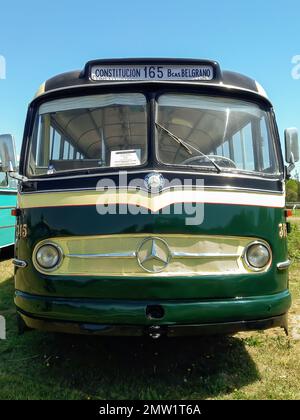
296, 212
258, 365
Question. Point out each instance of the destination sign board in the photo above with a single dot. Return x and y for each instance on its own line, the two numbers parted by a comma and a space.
151, 72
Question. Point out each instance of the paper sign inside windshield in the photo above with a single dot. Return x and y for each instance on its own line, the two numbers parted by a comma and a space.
125, 157
145, 72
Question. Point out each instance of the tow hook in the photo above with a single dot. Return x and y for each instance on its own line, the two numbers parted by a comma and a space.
155, 332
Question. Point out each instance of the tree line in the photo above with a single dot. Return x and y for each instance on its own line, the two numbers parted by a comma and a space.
293, 189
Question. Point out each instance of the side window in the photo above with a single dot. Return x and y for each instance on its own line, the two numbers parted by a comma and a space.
12, 183
51, 144
66, 150
265, 148
3, 180
55, 147
248, 144
242, 143
223, 149
238, 150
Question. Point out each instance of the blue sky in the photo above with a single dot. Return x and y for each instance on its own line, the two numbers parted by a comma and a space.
41, 38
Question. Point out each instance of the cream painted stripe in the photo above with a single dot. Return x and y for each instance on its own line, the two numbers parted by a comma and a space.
153, 203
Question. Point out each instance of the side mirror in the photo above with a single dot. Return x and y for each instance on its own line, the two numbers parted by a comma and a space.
291, 145
7, 154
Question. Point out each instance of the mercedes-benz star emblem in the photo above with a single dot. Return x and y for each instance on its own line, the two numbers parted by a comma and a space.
153, 255
154, 182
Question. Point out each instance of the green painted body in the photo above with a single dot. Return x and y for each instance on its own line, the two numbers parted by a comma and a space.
203, 299
104, 311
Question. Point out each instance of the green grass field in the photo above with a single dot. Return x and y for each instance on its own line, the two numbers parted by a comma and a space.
258, 365
296, 213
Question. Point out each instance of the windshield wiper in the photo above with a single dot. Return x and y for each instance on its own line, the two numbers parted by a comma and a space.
187, 146
174, 137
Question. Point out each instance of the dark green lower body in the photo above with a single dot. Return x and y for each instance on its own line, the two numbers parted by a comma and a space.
152, 304
154, 318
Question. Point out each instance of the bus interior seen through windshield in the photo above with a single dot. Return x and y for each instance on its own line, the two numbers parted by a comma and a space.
111, 130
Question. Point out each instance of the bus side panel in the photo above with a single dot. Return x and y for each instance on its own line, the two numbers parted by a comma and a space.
7, 221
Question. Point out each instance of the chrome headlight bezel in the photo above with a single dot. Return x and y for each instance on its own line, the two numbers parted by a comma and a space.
248, 264
60, 256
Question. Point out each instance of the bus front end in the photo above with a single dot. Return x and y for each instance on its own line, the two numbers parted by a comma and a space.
151, 202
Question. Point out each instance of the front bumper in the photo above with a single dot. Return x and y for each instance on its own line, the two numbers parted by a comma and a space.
123, 317
155, 331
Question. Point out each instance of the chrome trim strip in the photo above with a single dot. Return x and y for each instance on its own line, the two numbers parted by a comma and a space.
284, 265
176, 253
111, 255
203, 255
6, 207
173, 254
148, 170
19, 263
194, 187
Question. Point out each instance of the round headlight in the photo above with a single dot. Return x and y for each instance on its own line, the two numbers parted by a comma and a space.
258, 255
48, 256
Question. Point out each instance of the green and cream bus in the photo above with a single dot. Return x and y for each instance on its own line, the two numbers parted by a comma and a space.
151, 201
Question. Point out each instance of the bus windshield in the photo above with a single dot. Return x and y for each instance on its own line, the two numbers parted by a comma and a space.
227, 133
87, 132
110, 131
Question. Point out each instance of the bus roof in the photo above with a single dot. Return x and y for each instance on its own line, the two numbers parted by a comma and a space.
126, 71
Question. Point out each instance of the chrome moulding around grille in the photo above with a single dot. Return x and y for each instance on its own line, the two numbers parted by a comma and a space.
137, 255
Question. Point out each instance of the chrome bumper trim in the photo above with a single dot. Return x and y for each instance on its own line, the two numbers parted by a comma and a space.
19, 263
284, 265
111, 255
